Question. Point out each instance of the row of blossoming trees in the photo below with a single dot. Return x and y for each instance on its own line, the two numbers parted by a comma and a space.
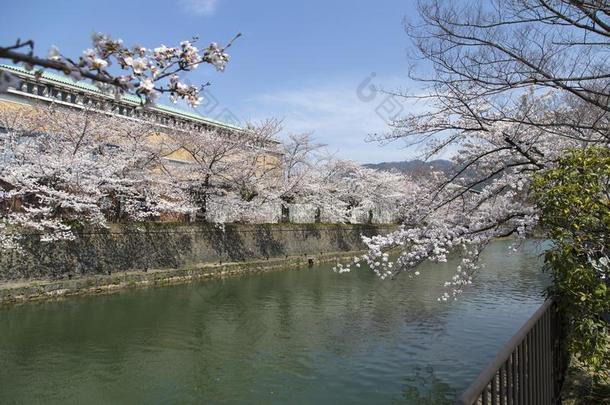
61, 168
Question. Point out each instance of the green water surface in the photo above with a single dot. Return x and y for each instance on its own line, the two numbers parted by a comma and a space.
307, 336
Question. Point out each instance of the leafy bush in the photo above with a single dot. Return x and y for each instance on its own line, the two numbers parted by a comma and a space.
574, 198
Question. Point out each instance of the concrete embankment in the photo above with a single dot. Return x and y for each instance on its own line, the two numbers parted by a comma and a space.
152, 254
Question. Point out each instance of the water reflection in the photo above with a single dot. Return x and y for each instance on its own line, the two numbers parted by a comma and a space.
298, 336
423, 387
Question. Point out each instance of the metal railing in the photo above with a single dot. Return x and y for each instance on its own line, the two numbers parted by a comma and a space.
529, 369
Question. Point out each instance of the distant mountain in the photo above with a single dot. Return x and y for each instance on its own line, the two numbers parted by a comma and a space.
415, 168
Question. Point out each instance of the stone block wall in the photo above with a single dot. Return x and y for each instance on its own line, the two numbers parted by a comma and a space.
172, 246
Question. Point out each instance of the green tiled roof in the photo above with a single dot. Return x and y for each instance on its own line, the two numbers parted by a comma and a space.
89, 87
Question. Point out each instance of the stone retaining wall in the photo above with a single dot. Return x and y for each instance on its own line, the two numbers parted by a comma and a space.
159, 252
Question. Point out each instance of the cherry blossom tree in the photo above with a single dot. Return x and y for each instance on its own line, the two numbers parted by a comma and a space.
301, 157
225, 169
345, 191
514, 85
363, 190
261, 162
116, 68
62, 167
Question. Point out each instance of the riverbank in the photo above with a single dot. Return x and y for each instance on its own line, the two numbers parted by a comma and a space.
152, 254
36, 290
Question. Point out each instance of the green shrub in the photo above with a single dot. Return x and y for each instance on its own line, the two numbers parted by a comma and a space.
574, 199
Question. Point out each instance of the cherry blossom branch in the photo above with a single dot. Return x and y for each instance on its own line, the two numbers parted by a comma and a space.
147, 72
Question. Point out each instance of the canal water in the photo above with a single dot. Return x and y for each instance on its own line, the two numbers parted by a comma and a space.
294, 337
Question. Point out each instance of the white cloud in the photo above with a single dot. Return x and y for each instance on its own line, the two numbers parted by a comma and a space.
339, 115
199, 7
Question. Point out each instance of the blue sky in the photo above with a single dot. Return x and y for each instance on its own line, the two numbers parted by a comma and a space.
301, 61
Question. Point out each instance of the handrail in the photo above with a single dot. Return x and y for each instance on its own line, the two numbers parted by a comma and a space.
521, 364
